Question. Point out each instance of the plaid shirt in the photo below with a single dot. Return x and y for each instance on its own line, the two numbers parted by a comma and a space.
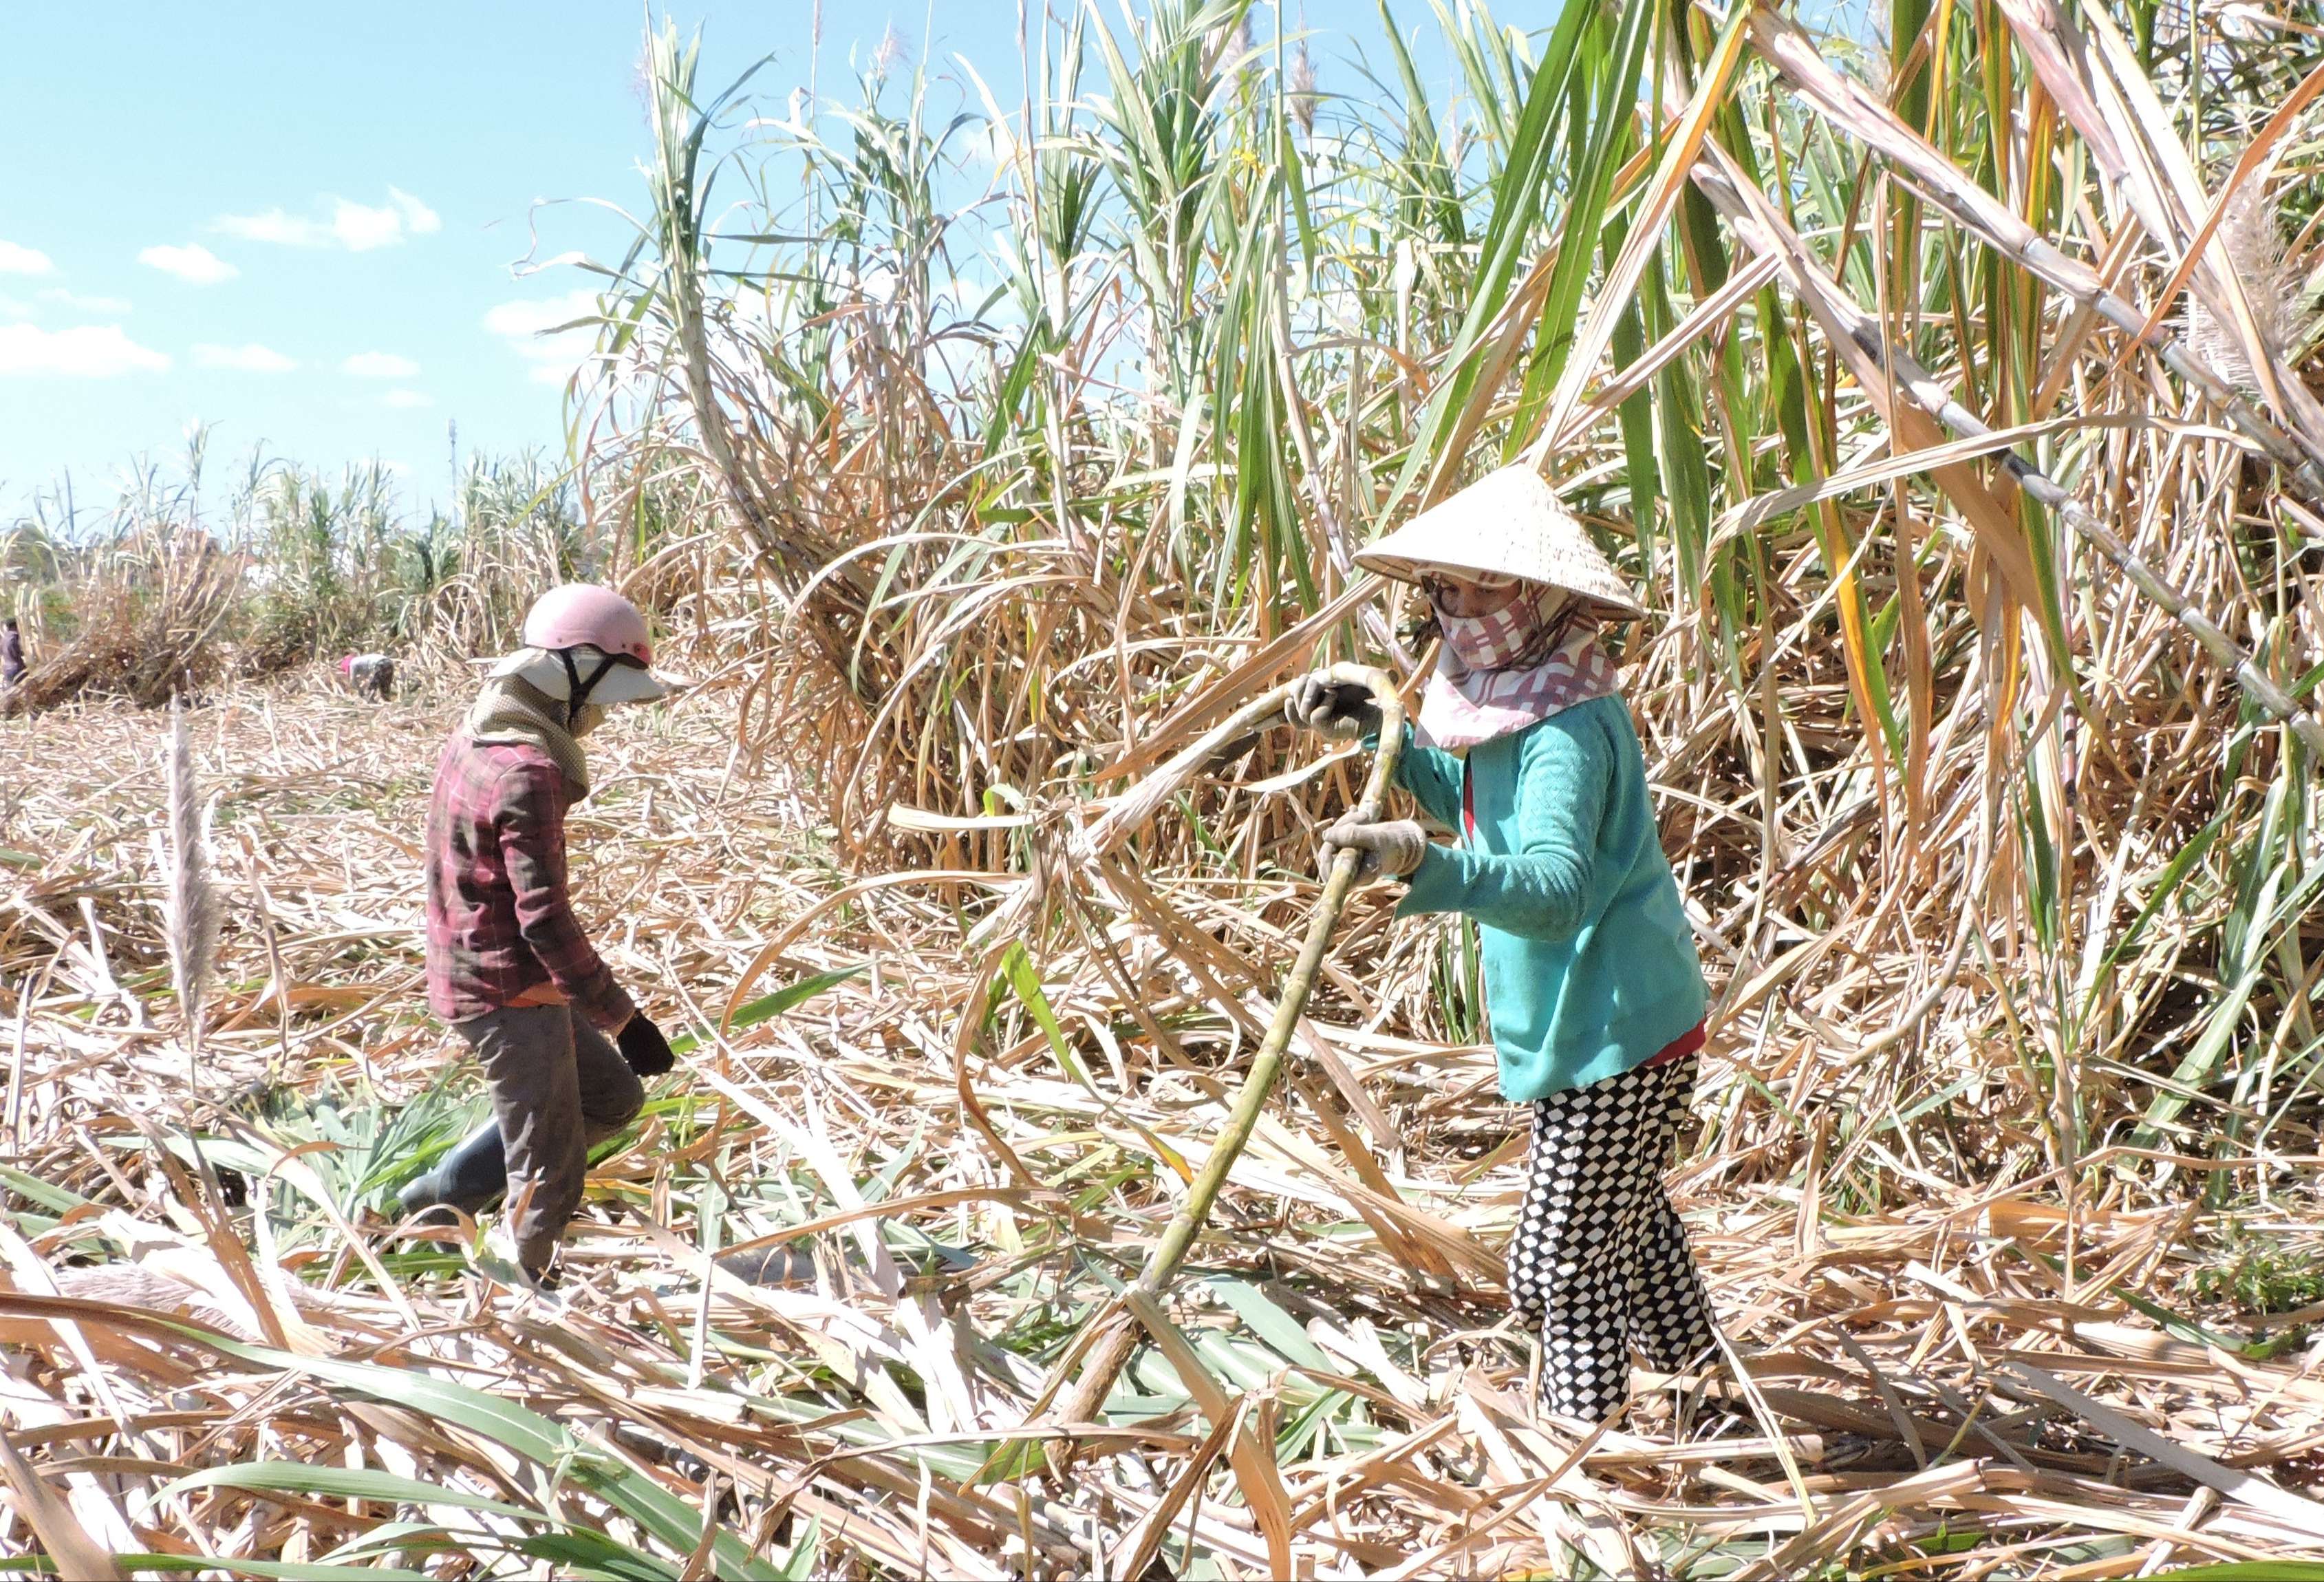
499, 922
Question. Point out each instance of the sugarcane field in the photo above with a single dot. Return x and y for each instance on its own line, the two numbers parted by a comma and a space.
1164, 789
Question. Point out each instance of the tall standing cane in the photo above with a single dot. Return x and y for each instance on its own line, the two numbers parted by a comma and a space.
1112, 1348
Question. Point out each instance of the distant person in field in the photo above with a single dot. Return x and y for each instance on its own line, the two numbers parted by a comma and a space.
563, 1047
372, 675
1525, 747
12, 655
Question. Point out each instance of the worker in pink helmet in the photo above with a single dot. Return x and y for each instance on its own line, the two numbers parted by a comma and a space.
372, 675
564, 1048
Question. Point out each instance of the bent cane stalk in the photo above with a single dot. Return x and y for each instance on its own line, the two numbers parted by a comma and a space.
1111, 1350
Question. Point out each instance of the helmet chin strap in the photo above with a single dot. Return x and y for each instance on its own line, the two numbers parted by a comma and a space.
576, 690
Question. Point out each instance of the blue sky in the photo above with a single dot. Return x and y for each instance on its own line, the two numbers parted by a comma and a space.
298, 223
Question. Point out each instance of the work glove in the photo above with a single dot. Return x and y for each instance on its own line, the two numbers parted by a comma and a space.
644, 1047
1391, 849
1341, 710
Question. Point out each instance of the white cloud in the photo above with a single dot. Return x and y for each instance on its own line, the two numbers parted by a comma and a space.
252, 358
87, 352
379, 365
359, 228
422, 218
418, 218
193, 264
273, 225
21, 260
405, 398
356, 226
80, 304
531, 330
533, 318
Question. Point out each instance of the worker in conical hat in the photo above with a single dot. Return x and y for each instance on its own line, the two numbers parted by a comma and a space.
564, 1047
1525, 748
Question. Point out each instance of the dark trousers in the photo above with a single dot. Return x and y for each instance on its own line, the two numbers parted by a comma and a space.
558, 1086
1599, 1260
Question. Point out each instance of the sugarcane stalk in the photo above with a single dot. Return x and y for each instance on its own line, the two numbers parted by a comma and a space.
1112, 1348
1784, 45
1847, 325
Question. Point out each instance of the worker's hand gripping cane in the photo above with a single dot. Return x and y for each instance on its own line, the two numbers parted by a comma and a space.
1338, 709
1392, 848
1342, 710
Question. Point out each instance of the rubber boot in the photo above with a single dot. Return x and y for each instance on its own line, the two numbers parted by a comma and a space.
471, 1177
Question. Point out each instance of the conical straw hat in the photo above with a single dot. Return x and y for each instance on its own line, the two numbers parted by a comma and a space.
1507, 523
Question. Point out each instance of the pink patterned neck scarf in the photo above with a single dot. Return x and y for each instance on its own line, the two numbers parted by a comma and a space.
1497, 674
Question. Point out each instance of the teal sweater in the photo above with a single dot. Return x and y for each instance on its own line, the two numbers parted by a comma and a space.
1589, 966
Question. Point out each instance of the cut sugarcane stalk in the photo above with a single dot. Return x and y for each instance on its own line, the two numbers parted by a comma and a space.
1111, 1349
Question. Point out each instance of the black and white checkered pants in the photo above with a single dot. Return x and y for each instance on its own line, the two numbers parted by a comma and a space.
1599, 1260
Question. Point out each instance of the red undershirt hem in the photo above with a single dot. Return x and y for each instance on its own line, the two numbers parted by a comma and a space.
1679, 1048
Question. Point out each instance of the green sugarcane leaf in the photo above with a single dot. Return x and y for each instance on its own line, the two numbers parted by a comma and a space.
346, 1483
1271, 1324
537, 1438
1605, 116
1518, 193
801, 1566
46, 1194
292, 1569
766, 1007
2166, 886
1026, 984
578, 1551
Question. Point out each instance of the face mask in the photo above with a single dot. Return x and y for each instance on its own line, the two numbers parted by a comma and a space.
553, 676
1505, 638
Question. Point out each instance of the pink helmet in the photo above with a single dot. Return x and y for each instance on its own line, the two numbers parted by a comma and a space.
582, 612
